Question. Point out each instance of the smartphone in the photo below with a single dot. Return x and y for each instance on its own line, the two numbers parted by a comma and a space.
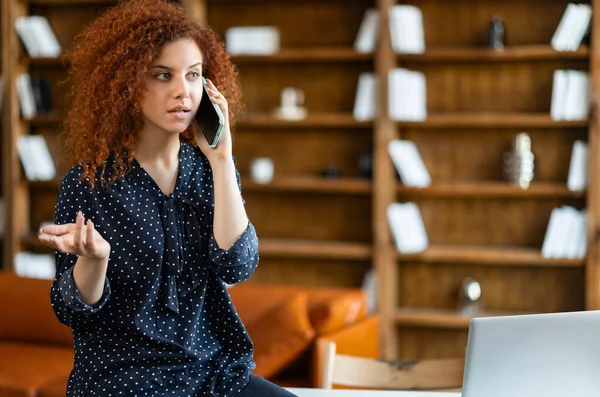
210, 118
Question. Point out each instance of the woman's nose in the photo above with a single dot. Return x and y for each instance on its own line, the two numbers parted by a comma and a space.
181, 88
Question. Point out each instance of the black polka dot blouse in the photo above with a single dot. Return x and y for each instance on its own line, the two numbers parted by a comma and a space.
165, 324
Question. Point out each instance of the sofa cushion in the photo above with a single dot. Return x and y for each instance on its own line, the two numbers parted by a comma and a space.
280, 335
24, 368
250, 303
26, 312
338, 313
56, 388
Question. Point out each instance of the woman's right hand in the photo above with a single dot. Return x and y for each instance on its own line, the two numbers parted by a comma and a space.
76, 239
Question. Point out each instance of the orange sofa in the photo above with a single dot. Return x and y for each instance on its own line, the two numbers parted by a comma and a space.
288, 325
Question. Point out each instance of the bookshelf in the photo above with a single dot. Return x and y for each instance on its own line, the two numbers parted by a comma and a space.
29, 203
330, 232
4, 125
478, 225
312, 230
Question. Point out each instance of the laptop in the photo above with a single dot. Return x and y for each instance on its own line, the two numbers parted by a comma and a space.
546, 355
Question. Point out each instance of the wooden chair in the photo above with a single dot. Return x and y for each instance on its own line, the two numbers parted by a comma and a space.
368, 373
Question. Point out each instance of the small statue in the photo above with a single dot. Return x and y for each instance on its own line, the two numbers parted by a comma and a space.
519, 163
469, 296
496, 33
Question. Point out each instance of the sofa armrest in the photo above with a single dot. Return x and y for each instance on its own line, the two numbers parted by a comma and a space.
360, 339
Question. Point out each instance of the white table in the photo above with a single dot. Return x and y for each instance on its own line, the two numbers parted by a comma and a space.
302, 392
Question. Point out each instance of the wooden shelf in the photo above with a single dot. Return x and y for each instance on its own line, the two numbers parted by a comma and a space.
310, 185
540, 52
43, 121
322, 120
493, 256
45, 185
492, 120
72, 2
297, 55
440, 318
43, 61
292, 248
491, 190
32, 243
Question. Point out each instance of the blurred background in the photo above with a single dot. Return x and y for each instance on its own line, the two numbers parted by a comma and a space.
407, 165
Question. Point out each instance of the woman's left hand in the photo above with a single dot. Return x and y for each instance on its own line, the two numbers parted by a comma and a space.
223, 150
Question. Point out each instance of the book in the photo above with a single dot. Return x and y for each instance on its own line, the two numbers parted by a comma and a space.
252, 40
35, 158
578, 167
572, 28
368, 32
26, 96
37, 36
407, 95
571, 95
32, 265
365, 103
408, 163
406, 29
407, 227
566, 234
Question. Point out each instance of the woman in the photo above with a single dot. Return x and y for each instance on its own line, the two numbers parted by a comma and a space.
150, 222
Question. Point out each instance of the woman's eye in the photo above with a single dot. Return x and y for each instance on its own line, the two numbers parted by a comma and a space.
194, 75
162, 76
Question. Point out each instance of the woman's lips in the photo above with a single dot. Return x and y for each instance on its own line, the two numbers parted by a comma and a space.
179, 115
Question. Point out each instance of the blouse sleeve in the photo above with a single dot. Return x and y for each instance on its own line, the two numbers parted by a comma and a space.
237, 263
66, 301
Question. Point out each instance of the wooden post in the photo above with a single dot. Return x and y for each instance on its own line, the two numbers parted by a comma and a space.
384, 191
592, 273
196, 8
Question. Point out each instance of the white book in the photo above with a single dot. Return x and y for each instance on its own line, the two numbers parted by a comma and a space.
559, 94
564, 227
35, 157
585, 96
27, 37
570, 110
583, 234
406, 29
43, 34
252, 40
577, 26
552, 237
579, 234
368, 32
572, 229
578, 167
407, 227
25, 94
35, 265
582, 23
418, 101
365, 103
27, 159
44, 166
415, 40
407, 95
408, 163
560, 40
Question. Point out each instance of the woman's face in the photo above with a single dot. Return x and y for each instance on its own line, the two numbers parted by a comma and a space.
173, 87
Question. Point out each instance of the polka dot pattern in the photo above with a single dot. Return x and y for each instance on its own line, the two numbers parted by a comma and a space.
165, 324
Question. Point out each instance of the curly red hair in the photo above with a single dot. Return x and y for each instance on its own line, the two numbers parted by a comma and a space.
108, 64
